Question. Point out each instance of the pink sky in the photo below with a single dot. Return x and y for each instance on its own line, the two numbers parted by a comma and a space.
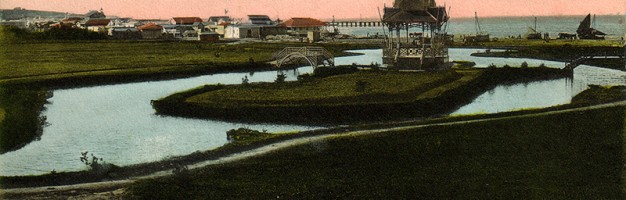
323, 9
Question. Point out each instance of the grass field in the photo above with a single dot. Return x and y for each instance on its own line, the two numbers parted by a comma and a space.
559, 156
2, 113
342, 89
34, 60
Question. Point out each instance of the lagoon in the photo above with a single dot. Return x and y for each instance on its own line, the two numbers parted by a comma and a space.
118, 124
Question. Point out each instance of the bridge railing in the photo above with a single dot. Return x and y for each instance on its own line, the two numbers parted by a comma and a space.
312, 53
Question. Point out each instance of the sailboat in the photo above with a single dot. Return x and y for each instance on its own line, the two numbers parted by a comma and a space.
480, 36
585, 31
532, 33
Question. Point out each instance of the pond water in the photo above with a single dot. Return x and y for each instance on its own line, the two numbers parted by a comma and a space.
537, 94
117, 123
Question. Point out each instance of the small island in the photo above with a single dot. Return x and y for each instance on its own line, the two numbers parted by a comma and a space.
346, 95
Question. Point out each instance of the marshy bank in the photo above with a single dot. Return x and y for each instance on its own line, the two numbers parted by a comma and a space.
20, 119
358, 97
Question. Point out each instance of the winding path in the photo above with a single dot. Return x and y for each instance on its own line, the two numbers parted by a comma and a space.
112, 188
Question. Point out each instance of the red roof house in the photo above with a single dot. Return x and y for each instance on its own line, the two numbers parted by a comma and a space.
151, 26
301, 26
303, 22
151, 31
97, 25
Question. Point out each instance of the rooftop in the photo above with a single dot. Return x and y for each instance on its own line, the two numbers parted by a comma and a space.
303, 22
97, 22
187, 20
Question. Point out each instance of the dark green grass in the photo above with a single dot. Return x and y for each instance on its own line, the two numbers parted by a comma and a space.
564, 156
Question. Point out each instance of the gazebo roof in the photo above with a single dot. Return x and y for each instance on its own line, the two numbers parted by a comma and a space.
395, 15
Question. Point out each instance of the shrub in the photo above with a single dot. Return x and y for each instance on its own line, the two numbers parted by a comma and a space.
524, 65
305, 77
492, 66
542, 65
95, 164
244, 134
280, 78
245, 80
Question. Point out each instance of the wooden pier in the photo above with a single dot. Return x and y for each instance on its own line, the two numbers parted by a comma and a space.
355, 24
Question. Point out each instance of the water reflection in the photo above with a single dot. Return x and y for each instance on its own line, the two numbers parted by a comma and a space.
539, 94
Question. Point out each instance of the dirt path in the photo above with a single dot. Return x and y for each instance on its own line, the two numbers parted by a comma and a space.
113, 189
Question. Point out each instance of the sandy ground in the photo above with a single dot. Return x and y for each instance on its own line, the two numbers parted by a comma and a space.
115, 189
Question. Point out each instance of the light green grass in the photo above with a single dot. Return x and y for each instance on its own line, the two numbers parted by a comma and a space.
61, 59
379, 87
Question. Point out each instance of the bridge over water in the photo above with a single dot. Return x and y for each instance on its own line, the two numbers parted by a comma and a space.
588, 55
313, 55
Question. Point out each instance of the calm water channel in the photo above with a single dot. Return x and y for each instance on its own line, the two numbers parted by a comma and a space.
117, 123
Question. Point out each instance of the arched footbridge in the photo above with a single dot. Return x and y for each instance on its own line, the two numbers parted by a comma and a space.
313, 55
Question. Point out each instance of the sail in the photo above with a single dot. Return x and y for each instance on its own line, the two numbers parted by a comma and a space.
585, 24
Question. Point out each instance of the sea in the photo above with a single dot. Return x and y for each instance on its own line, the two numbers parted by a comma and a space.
501, 27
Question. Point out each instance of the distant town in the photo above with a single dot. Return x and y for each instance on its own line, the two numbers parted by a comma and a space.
213, 28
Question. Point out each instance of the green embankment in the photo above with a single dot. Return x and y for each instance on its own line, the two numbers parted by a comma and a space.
599, 94
20, 122
557, 156
349, 98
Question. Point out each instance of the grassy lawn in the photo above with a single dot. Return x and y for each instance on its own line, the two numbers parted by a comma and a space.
560, 156
63, 59
341, 89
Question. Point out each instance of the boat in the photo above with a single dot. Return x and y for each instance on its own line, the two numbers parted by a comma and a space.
532, 33
585, 31
481, 36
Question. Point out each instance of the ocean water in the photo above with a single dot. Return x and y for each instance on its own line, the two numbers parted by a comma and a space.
502, 27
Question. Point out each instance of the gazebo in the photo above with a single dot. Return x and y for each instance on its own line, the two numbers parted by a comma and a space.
420, 50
